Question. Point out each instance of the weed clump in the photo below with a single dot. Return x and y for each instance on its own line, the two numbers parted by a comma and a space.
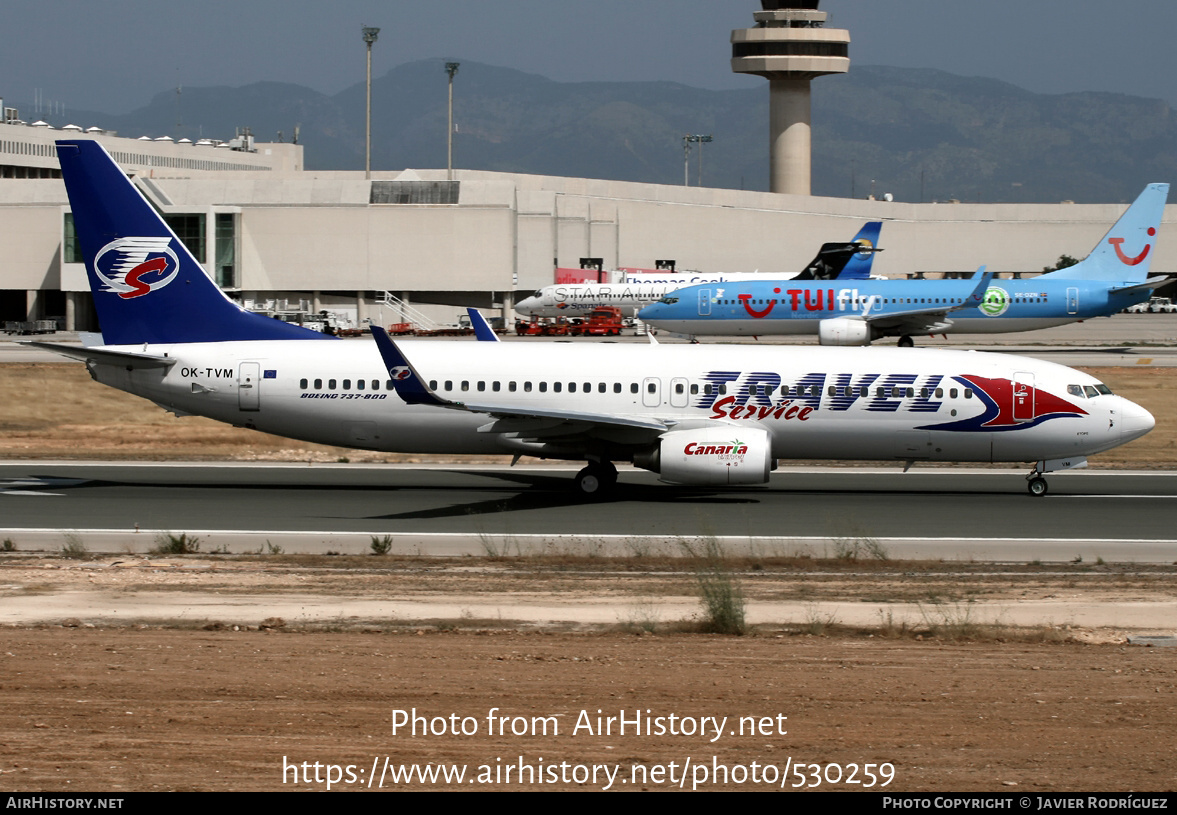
381, 545
719, 589
171, 544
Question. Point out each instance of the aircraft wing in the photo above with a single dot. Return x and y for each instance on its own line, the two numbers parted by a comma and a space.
122, 358
412, 388
927, 320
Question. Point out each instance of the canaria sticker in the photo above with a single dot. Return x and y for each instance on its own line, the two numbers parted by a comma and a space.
995, 302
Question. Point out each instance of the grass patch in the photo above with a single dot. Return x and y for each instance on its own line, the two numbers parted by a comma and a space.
380, 545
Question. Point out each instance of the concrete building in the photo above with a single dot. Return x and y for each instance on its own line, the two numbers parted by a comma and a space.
274, 235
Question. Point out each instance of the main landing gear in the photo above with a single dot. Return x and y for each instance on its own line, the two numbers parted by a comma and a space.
597, 479
906, 341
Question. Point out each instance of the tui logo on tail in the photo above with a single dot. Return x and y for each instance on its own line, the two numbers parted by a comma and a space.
133, 267
1125, 259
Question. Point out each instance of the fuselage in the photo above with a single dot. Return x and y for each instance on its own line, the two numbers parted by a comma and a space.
573, 299
829, 403
781, 307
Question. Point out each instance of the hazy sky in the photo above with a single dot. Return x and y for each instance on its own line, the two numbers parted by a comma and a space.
114, 55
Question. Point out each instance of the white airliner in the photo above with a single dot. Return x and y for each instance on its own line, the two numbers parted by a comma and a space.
850, 260
705, 415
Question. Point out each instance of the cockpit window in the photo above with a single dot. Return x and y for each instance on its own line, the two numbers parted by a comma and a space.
538, 293
1075, 390
1103, 389
670, 301
1091, 391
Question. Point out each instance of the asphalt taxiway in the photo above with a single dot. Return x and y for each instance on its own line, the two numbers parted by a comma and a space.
983, 515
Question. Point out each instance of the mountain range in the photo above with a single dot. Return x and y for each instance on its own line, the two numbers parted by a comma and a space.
918, 134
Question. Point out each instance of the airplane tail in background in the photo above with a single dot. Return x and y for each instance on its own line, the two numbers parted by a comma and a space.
1124, 254
845, 261
147, 287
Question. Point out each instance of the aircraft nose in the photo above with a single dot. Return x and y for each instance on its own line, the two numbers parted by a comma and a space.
1135, 421
526, 304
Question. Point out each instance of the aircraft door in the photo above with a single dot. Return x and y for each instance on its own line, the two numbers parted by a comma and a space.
1072, 300
1023, 396
704, 302
652, 391
249, 386
679, 392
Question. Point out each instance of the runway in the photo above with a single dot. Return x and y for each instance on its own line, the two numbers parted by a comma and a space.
453, 510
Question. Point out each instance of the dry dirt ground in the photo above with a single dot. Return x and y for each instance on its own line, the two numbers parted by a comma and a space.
937, 695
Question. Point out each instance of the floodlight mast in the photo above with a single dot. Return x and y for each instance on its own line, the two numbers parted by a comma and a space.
369, 34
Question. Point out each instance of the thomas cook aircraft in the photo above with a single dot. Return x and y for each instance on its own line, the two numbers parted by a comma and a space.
834, 261
1113, 277
706, 415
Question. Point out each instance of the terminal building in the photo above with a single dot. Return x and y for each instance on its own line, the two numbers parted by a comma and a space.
288, 241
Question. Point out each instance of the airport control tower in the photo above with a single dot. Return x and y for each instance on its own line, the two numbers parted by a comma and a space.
789, 46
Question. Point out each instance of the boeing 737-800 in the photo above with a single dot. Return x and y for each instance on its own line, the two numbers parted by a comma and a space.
834, 261
707, 415
1113, 277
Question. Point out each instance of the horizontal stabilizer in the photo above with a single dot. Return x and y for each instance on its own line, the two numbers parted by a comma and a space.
105, 356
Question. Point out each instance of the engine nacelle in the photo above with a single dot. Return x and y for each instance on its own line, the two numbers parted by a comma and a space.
711, 456
844, 331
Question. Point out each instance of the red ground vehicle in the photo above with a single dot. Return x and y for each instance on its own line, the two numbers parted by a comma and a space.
601, 322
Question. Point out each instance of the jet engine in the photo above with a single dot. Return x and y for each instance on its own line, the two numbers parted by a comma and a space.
844, 331
711, 456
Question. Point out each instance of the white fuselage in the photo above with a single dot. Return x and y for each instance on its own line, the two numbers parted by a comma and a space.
841, 403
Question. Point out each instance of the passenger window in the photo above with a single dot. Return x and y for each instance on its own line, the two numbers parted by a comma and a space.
694, 390
376, 385
572, 387
389, 386
527, 387
707, 389
496, 386
347, 384
318, 384
678, 388
556, 387
331, 384
449, 384
481, 386
602, 387
543, 387
617, 387
302, 383
359, 384
968, 393
465, 385
939, 393
511, 387
633, 387
432, 384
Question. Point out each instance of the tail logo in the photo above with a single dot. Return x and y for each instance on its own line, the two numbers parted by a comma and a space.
133, 267
1131, 261
400, 373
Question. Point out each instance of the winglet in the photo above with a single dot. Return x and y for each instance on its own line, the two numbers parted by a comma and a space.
482, 330
977, 296
405, 379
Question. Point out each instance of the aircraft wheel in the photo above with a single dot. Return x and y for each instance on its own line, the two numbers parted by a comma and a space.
906, 342
596, 480
1037, 486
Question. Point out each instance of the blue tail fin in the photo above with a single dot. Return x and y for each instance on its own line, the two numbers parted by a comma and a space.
859, 265
1124, 254
147, 287
845, 261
